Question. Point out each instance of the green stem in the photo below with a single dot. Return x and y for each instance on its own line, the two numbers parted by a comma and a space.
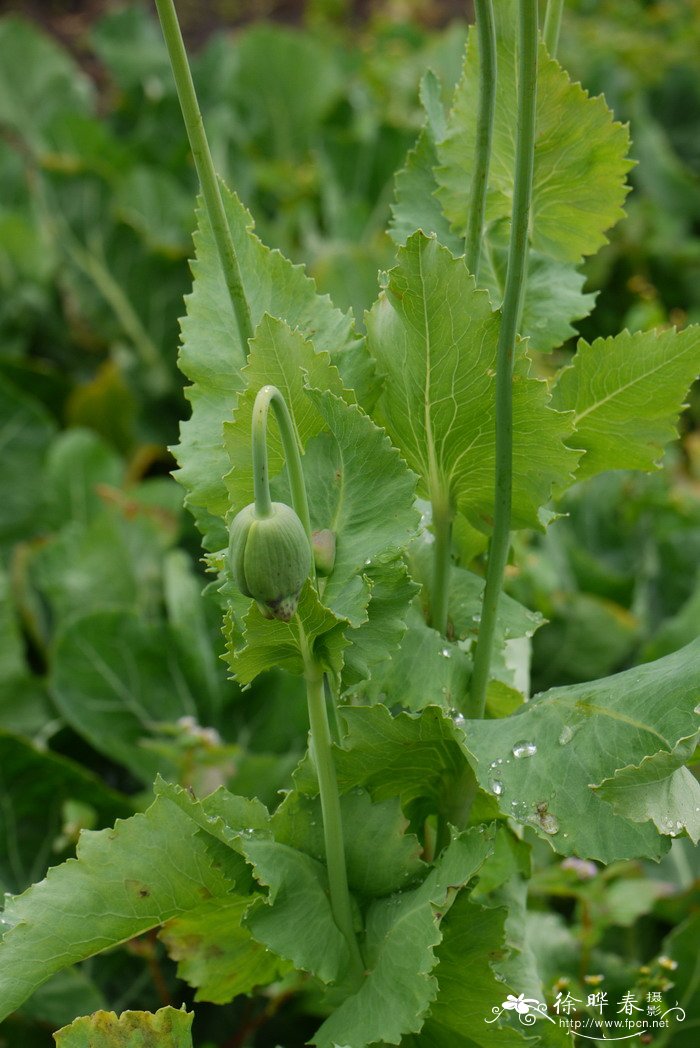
205, 167
442, 562
270, 396
330, 810
552, 25
486, 31
512, 301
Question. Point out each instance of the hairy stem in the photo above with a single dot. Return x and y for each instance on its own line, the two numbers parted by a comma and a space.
205, 167
330, 809
270, 396
442, 562
512, 301
552, 25
486, 31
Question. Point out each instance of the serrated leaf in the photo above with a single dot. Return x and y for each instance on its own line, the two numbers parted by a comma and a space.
426, 670
434, 336
115, 678
581, 736
580, 152
270, 642
295, 920
166, 1028
215, 954
417, 758
474, 938
373, 644
656, 790
401, 934
359, 488
626, 393
212, 357
283, 358
380, 856
415, 185
124, 881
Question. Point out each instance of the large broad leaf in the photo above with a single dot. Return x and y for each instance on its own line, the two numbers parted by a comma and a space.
125, 880
580, 152
544, 763
283, 358
626, 393
658, 790
212, 356
216, 954
434, 336
402, 932
360, 489
166, 1028
44, 799
116, 678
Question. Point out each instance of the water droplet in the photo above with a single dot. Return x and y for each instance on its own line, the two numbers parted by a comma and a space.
476, 618
524, 749
368, 562
497, 787
566, 735
458, 719
697, 709
549, 823
446, 653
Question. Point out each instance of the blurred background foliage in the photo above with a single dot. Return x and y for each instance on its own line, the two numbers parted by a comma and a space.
109, 651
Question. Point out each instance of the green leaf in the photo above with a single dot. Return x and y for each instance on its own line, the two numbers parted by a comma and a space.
373, 644
626, 393
415, 186
166, 1028
580, 152
543, 763
474, 938
116, 678
216, 954
25, 434
267, 643
283, 358
681, 946
656, 790
417, 758
79, 462
434, 336
125, 880
380, 857
401, 934
212, 357
360, 489
62, 997
295, 920
37, 792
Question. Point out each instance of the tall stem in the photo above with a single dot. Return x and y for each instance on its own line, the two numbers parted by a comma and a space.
330, 810
442, 554
270, 396
205, 167
486, 31
552, 25
512, 301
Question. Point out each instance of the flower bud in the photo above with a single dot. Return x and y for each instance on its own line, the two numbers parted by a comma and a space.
270, 558
323, 546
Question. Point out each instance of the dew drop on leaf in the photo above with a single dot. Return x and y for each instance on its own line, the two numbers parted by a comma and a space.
524, 749
458, 719
446, 653
549, 823
497, 787
566, 735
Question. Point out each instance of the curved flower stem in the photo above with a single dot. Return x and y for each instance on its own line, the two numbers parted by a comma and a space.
270, 396
205, 167
512, 301
486, 31
552, 25
330, 808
